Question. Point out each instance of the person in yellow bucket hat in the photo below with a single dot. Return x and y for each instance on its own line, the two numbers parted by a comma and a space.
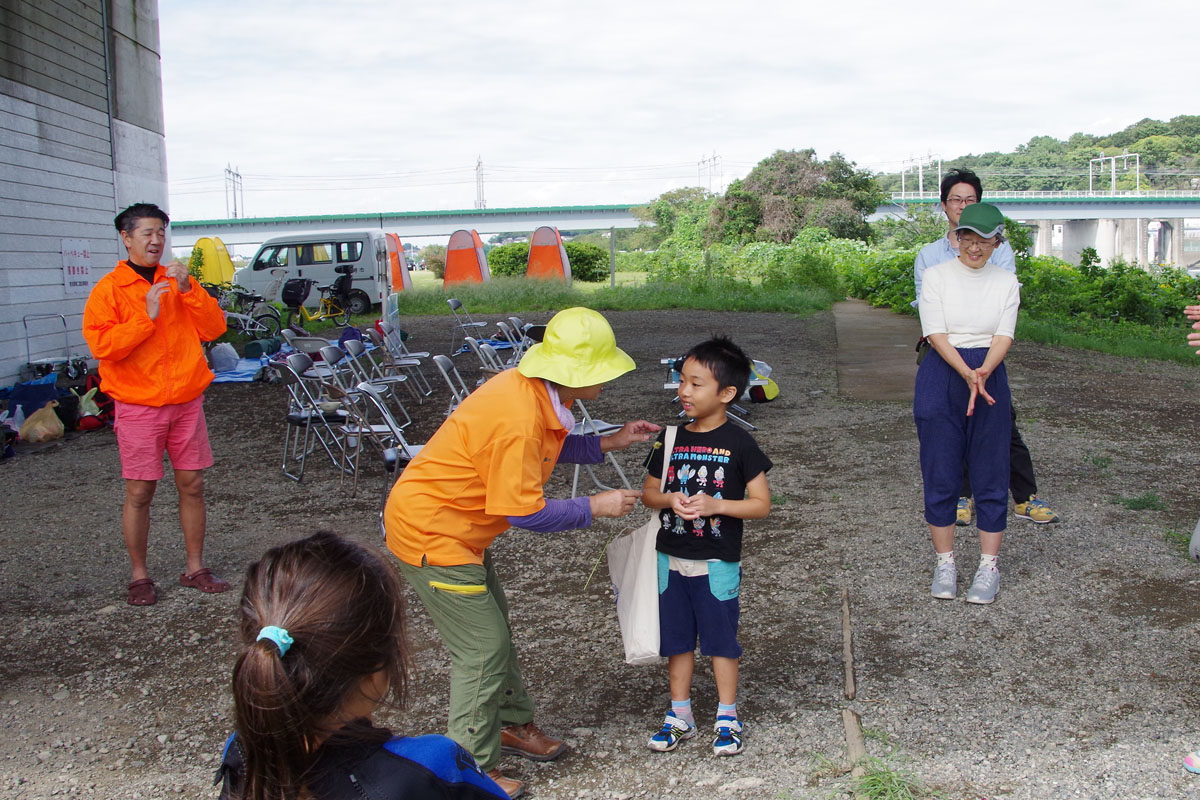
482, 472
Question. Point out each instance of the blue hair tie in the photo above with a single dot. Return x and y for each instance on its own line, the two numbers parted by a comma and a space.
277, 635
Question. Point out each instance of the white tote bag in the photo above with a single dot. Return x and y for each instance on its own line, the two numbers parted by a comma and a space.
633, 566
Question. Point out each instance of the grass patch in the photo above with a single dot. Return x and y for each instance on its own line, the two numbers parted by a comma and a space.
882, 781
517, 295
1127, 341
1149, 501
1179, 540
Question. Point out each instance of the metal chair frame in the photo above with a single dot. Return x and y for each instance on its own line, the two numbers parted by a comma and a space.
463, 323
458, 387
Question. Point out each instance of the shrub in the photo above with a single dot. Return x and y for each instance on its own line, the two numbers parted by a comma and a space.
589, 262
509, 259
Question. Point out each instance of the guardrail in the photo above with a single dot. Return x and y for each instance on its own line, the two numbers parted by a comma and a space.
1191, 194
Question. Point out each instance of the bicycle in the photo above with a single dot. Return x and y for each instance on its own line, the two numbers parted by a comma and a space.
252, 315
334, 303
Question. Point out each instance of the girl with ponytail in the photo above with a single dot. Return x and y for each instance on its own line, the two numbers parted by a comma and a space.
323, 646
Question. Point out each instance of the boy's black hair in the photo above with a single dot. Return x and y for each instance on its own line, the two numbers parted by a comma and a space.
728, 363
126, 221
957, 176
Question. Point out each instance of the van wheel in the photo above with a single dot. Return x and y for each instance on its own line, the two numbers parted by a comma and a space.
358, 302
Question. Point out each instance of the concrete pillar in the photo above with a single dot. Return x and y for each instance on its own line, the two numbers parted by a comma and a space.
1044, 242
1106, 239
1077, 234
1163, 242
1127, 240
1176, 259
135, 92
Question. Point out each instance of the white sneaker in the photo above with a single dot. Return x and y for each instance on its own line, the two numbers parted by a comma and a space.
985, 586
945, 581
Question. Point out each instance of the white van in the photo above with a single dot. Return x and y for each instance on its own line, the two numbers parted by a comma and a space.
316, 256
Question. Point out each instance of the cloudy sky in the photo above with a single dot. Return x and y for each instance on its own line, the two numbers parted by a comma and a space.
378, 105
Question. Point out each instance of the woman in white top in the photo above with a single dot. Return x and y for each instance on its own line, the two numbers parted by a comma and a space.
961, 403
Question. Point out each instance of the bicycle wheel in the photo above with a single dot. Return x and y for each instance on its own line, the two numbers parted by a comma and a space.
267, 325
341, 317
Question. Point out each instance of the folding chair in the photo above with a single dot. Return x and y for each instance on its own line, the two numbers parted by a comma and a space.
400, 358
514, 338
366, 405
365, 368
463, 324
458, 387
311, 418
595, 427
354, 430
490, 362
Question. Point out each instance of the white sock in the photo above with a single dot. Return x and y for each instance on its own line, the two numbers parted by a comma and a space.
945, 558
989, 561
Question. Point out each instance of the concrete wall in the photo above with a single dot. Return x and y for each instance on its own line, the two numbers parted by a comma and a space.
81, 135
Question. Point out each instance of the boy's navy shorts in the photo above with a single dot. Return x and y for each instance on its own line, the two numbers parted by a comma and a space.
704, 607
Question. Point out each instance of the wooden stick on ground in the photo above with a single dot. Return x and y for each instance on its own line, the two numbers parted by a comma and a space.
856, 748
847, 645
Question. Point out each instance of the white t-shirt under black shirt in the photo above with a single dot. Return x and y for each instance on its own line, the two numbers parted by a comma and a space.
969, 305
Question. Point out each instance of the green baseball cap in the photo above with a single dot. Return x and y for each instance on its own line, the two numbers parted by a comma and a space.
982, 218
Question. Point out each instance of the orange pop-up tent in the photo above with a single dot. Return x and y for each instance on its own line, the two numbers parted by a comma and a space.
465, 259
547, 256
401, 280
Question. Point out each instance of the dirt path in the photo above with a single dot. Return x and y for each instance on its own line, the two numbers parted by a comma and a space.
1081, 681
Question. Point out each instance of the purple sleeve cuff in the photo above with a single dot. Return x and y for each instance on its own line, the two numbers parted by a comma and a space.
581, 450
557, 515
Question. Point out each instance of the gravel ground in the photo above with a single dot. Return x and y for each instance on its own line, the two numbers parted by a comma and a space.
1081, 681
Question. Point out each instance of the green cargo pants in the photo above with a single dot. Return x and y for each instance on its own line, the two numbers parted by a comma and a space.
487, 692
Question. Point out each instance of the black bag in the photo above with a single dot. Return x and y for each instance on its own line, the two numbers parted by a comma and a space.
295, 291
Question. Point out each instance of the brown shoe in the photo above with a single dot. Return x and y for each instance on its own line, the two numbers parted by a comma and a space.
512, 786
529, 741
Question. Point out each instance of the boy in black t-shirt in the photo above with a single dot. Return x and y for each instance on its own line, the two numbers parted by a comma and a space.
716, 477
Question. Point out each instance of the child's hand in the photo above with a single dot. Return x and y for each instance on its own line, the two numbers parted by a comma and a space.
704, 505
679, 504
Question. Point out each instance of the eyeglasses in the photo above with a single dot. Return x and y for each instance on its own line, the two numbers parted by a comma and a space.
976, 242
962, 201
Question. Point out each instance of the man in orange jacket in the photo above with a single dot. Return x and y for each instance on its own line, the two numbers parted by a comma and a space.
146, 322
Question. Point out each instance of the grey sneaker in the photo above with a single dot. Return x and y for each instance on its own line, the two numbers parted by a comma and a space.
985, 586
945, 581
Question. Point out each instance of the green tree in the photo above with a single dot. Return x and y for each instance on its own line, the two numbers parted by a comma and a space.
196, 264
509, 259
791, 190
434, 256
589, 262
677, 213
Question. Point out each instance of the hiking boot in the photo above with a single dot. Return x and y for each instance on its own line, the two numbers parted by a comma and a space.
966, 511
1034, 509
511, 786
529, 741
985, 586
729, 737
674, 731
945, 581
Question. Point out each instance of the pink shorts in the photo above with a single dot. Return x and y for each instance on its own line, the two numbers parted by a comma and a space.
144, 432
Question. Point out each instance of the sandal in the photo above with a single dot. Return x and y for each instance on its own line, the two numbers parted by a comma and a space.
142, 593
204, 580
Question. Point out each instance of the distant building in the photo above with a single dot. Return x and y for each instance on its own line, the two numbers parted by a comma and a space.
81, 136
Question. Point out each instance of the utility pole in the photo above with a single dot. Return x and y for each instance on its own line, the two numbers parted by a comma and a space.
1099, 162
706, 167
919, 164
479, 201
233, 187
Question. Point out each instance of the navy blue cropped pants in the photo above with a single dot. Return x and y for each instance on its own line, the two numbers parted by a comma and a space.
950, 439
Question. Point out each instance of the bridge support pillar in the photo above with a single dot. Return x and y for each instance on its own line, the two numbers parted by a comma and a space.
1129, 241
1078, 234
1106, 239
1044, 243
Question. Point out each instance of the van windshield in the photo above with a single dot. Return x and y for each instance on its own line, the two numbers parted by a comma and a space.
272, 257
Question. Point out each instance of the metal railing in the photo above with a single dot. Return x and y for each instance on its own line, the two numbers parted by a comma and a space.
1189, 194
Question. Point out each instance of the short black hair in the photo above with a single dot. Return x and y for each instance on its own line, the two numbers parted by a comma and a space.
126, 221
957, 176
728, 363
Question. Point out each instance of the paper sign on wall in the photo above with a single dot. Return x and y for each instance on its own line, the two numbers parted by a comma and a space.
77, 267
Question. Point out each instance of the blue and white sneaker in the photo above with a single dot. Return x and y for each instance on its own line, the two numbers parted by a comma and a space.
729, 737
674, 731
